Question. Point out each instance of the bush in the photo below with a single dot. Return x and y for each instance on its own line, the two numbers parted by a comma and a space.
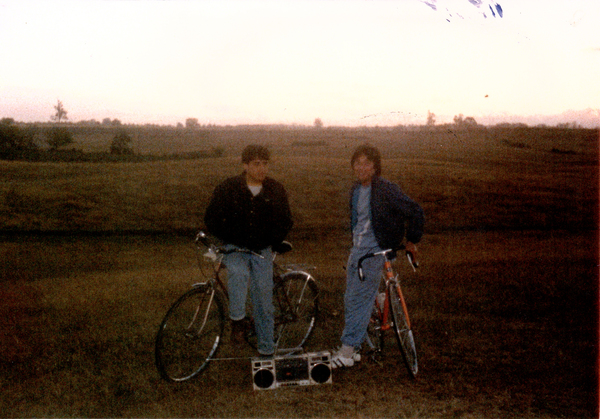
15, 142
58, 137
121, 144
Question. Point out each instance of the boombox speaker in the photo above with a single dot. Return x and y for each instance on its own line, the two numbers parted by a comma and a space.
291, 370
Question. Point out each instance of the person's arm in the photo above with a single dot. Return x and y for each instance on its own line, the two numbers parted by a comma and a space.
214, 217
415, 220
412, 212
283, 215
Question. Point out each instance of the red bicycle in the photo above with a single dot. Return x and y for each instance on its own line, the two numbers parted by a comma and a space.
390, 312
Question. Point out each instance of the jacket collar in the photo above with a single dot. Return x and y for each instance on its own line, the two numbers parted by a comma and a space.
241, 178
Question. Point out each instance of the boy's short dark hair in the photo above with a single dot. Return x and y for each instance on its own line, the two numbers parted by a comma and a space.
372, 155
253, 152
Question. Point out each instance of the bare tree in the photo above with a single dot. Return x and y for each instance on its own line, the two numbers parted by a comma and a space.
60, 113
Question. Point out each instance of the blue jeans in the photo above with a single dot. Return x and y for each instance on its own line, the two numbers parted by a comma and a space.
360, 295
246, 271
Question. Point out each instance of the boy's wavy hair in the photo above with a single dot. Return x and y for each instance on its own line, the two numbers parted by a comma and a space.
253, 152
371, 153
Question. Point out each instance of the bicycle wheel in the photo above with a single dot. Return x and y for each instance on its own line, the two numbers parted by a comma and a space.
402, 330
189, 335
296, 306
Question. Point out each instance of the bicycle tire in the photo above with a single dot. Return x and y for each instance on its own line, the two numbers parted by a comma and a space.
190, 333
401, 326
295, 297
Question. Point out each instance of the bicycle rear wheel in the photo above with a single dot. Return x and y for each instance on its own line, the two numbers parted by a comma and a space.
190, 334
401, 325
296, 306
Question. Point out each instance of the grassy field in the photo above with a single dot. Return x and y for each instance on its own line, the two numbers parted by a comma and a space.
504, 306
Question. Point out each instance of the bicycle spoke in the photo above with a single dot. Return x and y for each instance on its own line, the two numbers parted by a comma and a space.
296, 309
189, 335
401, 326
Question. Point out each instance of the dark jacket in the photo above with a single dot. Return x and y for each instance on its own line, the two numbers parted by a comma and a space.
392, 214
237, 217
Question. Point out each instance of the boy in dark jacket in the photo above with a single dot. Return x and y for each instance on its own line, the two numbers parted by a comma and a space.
250, 211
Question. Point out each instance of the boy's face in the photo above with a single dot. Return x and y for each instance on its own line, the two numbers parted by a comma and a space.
364, 169
256, 171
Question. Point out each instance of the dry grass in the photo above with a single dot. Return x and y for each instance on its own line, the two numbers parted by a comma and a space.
500, 333
504, 306
511, 188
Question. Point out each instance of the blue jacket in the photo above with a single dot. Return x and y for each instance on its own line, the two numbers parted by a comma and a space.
393, 214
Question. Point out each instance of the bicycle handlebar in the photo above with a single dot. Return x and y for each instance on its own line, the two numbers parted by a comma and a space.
388, 253
206, 241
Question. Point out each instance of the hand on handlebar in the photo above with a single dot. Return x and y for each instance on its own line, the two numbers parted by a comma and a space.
217, 247
413, 254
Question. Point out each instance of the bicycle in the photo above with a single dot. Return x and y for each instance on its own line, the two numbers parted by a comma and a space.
390, 312
191, 332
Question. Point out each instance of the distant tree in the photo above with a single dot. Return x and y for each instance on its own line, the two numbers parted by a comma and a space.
462, 122
318, 123
430, 119
60, 113
91, 122
458, 120
121, 144
58, 137
192, 123
573, 125
106, 121
469, 122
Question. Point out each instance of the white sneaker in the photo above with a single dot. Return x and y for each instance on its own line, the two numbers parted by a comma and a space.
339, 361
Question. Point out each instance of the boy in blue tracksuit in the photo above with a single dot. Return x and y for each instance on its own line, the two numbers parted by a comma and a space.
381, 216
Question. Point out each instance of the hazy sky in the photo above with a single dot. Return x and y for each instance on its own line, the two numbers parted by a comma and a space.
291, 61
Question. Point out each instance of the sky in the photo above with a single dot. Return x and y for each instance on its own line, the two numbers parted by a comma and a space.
349, 63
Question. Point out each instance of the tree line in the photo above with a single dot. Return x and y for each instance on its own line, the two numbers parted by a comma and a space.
20, 143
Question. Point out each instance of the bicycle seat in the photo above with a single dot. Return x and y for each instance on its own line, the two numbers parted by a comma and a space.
282, 247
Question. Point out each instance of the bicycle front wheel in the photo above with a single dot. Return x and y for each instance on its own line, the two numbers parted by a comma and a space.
296, 306
401, 325
190, 334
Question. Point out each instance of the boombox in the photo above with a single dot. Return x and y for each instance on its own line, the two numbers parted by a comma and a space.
291, 370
